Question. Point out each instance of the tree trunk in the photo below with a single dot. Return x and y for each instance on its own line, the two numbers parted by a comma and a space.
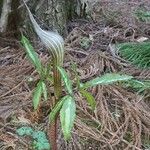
5, 10
50, 14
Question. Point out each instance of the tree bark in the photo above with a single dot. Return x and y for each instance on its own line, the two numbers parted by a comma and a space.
6, 9
50, 14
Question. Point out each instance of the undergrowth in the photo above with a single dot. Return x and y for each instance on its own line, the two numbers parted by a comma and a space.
142, 15
137, 86
137, 53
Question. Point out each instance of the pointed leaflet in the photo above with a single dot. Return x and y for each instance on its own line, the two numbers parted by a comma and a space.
56, 109
106, 79
89, 97
67, 116
31, 53
66, 80
37, 95
44, 90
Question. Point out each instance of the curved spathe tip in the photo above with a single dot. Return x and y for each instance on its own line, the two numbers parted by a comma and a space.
52, 40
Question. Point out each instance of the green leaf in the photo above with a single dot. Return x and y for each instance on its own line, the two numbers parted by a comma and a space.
89, 97
137, 85
57, 107
31, 53
37, 95
44, 90
67, 116
106, 79
66, 80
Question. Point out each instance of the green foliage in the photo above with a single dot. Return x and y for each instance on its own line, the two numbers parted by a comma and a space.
31, 54
67, 81
89, 97
41, 88
37, 95
106, 79
40, 141
56, 109
138, 86
66, 106
137, 53
43, 72
67, 116
142, 15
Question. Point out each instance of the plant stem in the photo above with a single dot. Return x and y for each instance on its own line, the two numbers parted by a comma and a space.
57, 92
57, 84
53, 134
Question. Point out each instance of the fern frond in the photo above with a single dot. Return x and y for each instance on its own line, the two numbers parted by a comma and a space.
137, 53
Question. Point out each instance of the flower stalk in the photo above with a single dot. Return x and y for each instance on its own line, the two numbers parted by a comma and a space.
55, 45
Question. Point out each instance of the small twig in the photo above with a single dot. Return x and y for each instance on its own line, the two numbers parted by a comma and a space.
4, 49
12, 89
22, 5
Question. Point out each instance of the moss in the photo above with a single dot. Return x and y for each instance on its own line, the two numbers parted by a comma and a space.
25, 131
40, 141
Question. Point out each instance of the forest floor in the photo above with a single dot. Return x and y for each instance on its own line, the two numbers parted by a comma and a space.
121, 120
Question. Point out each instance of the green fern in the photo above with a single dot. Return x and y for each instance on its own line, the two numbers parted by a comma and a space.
142, 15
137, 53
136, 85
